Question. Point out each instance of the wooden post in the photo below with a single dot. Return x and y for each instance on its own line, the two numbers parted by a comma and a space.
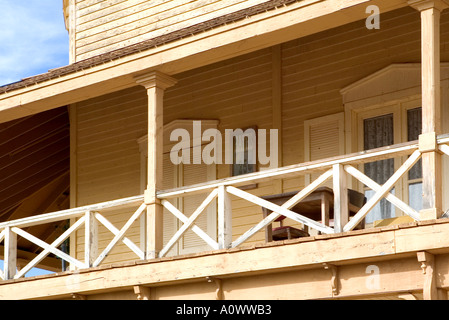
91, 241
10, 262
431, 104
341, 213
156, 83
224, 219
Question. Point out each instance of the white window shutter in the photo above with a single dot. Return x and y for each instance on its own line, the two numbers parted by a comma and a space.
323, 138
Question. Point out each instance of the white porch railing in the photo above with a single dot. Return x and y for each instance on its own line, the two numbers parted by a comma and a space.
337, 169
89, 217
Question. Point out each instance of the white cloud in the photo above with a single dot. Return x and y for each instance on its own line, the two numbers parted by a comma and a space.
33, 38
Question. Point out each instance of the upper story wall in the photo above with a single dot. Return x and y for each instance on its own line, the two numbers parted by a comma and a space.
100, 26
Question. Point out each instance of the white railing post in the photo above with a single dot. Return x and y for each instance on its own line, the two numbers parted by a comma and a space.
10, 262
224, 219
91, 241
341, 201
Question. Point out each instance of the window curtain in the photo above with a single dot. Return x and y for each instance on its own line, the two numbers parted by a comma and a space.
379, 132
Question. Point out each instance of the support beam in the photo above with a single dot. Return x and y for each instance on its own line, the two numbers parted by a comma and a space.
156, 83
431, 103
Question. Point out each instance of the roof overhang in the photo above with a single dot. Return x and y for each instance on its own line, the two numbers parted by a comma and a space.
95, 77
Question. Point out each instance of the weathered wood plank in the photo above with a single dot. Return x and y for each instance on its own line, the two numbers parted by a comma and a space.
10, 256
341, 201
224, 219
91, 239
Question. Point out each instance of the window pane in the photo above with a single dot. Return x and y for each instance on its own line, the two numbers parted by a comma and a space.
415, 195
414, 124
383, 210
379, 132
414, 128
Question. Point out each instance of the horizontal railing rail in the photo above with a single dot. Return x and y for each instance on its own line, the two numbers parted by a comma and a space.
393, 151
338, 169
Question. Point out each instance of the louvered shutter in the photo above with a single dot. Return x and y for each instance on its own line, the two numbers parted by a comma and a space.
323, 138
169, 182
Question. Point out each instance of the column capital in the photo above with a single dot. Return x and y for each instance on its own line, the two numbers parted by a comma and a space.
421, 5
155, 79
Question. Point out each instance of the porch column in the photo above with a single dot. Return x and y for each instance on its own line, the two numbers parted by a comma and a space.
431, 105
155, 83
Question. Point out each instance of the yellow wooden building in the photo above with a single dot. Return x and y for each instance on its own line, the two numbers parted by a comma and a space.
350, 96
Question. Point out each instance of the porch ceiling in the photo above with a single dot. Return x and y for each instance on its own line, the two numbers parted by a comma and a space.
262, 26
34, 171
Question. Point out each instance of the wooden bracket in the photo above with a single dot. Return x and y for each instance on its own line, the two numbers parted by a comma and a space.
427, 260
334, 280
219, 283
143, 293
76, 296
407, 296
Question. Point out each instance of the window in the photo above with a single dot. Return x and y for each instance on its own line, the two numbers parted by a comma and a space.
384, 126
244, 151
379, 132
384, 108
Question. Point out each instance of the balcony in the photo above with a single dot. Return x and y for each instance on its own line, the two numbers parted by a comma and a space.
339, 169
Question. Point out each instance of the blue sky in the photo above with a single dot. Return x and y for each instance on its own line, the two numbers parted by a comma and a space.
33, 38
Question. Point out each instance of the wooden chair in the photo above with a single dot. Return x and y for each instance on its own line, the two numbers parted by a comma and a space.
283, 232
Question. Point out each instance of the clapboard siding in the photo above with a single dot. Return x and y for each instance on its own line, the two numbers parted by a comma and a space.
236, 92
315, 68
107, 147
103, 26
